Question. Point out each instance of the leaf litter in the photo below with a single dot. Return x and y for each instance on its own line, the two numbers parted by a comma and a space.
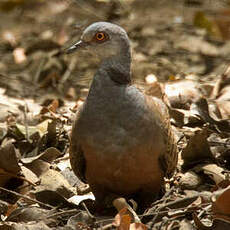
186, 64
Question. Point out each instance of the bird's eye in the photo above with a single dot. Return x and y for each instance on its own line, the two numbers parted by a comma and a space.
100, 36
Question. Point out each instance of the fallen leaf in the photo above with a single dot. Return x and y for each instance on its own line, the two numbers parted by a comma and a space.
122, 220
77, 199
197, 149
54, 105
190, 180
53, 198
9, 158
54, 181
182, 93
48, 155
214, 171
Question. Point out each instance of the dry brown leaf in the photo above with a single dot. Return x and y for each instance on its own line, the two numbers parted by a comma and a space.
29, 175
122, 220
156, 90
197, 149
53, 198
48, 155
54, 181
38, 167
120, 203
190, 180
182, 93
214, 171
9, 158
4, 177
53, 106
182, 117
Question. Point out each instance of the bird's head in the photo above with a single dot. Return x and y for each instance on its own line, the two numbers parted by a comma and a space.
104, 40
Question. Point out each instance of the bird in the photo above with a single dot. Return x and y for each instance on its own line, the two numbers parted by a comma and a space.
122, 143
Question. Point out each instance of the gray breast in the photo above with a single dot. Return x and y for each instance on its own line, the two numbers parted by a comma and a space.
113, 117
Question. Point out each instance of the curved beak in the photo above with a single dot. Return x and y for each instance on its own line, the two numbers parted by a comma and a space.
79, 45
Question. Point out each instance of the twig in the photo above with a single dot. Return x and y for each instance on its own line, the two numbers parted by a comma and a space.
219, 143
108, 226
25, 110
61, 159
27, 198
87, 210
183, 202
39, 70
68, 212
188, 209
164, 201
163, 198
15, 176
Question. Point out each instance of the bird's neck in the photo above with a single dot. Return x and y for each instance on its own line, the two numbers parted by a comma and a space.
112, 75
117, 68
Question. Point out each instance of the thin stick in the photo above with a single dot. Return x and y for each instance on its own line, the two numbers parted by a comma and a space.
68, 212
27, 198
15, 176
25, 110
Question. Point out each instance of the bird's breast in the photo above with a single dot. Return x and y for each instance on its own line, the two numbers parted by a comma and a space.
115, 123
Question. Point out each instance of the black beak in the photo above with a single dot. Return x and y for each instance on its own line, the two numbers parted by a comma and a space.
79, 45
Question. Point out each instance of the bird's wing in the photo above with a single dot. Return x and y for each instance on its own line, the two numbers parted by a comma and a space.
77, 158
167, 159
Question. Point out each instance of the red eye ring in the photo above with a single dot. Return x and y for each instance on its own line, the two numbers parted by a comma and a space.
100, 36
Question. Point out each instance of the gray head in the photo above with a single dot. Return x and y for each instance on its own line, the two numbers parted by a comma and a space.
105, 40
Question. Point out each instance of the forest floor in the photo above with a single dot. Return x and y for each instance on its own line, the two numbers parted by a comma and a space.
180, 50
